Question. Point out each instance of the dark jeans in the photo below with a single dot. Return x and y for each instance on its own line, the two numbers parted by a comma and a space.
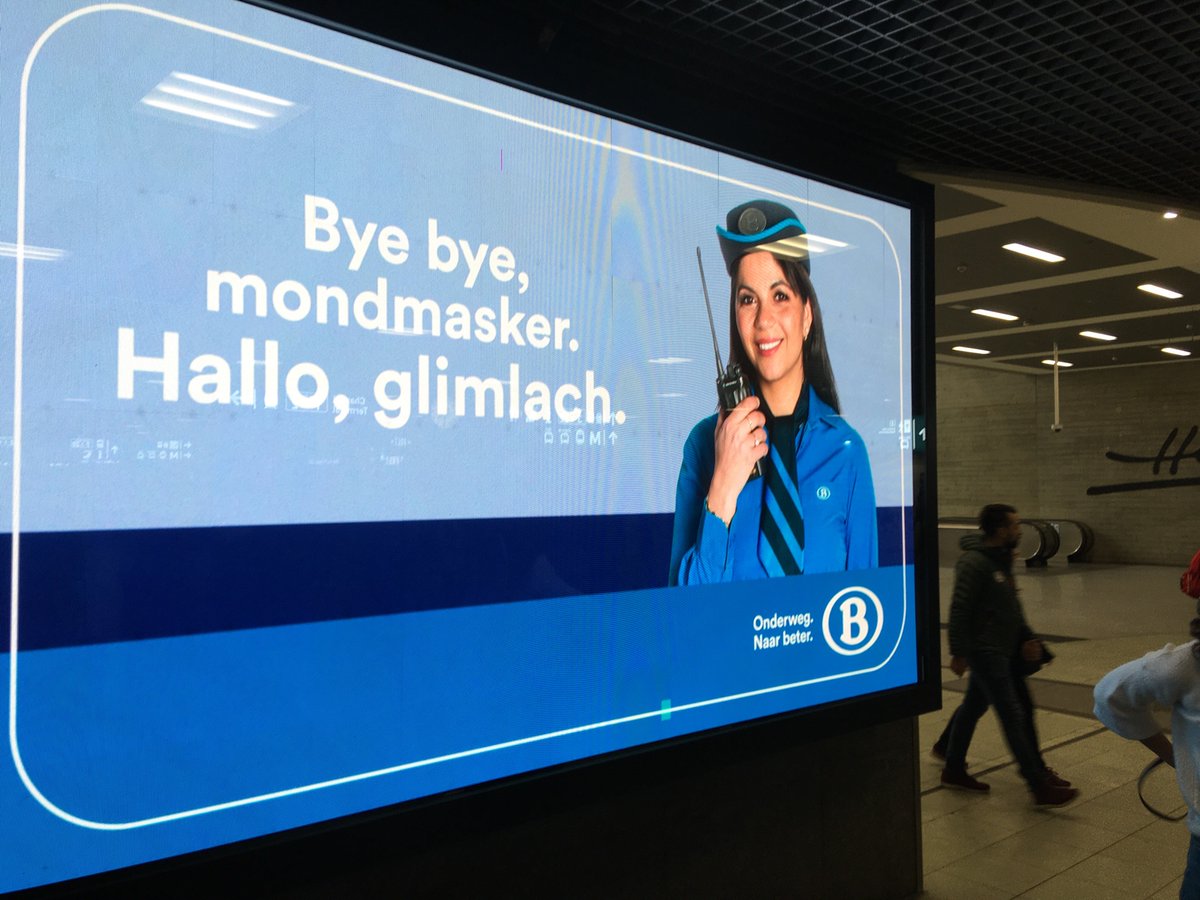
1191, 875
1022, 688
995, 681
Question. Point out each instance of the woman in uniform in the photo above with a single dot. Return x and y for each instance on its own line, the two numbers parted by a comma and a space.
813, 509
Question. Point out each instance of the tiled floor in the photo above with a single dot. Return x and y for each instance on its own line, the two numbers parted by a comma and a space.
1105, 844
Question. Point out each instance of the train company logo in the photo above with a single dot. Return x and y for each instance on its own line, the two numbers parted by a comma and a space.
853, 620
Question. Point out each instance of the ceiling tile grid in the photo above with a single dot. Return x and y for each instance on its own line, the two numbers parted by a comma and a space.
1098, 92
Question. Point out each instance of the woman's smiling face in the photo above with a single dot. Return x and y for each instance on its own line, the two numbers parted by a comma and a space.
773, 320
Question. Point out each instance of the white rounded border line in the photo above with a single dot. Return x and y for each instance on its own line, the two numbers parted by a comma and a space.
17, 413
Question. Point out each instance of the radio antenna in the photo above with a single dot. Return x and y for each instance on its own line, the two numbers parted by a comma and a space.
708, 306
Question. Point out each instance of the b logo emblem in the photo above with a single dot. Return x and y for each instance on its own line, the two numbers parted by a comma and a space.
852, 621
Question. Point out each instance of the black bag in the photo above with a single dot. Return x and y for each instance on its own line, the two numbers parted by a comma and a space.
1028, 667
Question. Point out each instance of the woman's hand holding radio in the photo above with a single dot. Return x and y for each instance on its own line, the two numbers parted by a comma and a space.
740, 441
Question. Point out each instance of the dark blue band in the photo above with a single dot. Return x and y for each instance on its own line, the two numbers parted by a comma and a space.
94, 587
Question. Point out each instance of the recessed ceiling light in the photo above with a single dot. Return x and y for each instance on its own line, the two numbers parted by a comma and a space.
189, 110
797, 247
1170, 214
1061, 364
817, 239
216, 101
1160, 291
974, 350
31, 252
1026, 250
992, 314
224, 102
1098, 335
231, 88
1175, 351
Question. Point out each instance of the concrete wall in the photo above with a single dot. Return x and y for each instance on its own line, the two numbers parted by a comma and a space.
986, 440
995, 444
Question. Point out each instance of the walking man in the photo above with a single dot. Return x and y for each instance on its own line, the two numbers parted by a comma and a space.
989, 636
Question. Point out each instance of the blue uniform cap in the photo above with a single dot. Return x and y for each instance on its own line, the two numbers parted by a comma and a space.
763, 225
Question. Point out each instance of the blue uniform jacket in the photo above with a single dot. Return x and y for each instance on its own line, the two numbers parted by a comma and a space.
833, 475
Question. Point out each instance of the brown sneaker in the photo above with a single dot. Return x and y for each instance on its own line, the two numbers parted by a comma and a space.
1048, 794
1053, 778
961, 781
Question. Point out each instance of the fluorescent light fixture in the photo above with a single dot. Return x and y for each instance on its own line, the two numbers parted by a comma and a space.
231, 89
796, 247
236, 105
1060, 363
668, 360
1175, 351
216, 101
1160, 291
977, 351
1026, 250
804, 245
1170, 214
31, 252
198, 112
1098, 335
992, 314
829, 242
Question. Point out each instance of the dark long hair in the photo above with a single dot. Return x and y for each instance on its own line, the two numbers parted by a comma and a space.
818, 371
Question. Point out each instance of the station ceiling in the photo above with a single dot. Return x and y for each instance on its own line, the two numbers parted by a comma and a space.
1103, 92
1113, 249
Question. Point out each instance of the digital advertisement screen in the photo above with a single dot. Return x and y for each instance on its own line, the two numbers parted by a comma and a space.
363, 440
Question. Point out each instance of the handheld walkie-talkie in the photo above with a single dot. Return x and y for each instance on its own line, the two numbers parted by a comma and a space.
732, 385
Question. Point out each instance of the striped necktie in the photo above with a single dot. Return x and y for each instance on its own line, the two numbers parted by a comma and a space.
781, 523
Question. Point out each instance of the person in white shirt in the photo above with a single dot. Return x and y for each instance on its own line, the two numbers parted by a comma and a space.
1169, 677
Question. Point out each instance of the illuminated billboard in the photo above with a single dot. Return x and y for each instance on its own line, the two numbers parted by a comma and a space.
363, 442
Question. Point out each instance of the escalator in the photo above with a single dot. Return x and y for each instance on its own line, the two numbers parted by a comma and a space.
1041, 539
